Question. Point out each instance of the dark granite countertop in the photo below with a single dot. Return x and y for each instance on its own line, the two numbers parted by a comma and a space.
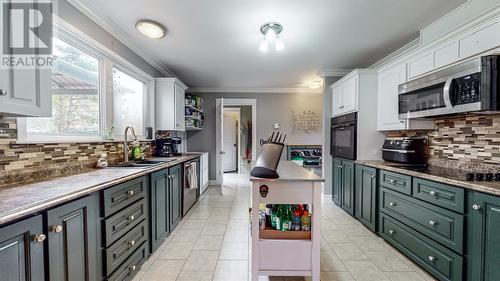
22, 200
444, 175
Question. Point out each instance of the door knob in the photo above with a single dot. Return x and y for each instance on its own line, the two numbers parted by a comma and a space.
392, 181
56, 228
131, 218
392, 231
392, 204
130, 192
131, 242
432, 258
432, 222
132, 267
432, 193
3, 92
39, 238
476, 207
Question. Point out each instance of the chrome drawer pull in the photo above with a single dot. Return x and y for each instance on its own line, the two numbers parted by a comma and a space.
131, 218
392, 181
432, 258
392, 231
392, 204
56, 228
433, 193
132, 267
432, 222
373, 176
130, 192
476, 207
131, 242
39, 238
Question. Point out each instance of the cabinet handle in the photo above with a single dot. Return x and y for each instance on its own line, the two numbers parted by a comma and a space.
132, 267
131, 242
392, 204
392, 181
432, 193
373, 176
402, 121
432, 258
432, 222
3, 92
56, 228
131, 218
130, 192
39, 238
476, 207
391, 231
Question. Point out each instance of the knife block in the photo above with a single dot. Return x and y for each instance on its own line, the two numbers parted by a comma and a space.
268, 160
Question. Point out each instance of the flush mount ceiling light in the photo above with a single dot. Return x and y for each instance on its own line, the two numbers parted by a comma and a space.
271, 34
151, 29
316, 84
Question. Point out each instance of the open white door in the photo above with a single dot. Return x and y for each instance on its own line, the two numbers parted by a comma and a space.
219, 105
230, 145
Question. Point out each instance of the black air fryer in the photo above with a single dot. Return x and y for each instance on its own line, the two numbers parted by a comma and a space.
411, 151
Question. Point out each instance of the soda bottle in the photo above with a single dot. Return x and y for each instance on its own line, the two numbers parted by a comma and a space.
278, 217
286, 218
274, 212
268, 214
306, 221
296, 221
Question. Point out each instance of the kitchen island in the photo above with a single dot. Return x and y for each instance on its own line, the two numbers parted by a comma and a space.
286, 253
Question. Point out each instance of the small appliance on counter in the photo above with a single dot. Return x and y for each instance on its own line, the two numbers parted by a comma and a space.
411, 151
168, 147
269, 158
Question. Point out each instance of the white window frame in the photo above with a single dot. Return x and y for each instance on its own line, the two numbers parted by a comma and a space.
108, 59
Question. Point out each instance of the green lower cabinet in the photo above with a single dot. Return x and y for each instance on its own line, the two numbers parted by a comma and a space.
336, 180
347, 190
176, 188
485, 240
22, 250
72, 244
366, 196
160, 210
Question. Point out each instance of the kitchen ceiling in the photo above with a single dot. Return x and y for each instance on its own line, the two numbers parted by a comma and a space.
214, 44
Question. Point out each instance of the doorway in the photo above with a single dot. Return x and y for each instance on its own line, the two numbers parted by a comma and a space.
231, 139
247, 131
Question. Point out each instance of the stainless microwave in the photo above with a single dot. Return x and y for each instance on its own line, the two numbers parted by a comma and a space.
466, 87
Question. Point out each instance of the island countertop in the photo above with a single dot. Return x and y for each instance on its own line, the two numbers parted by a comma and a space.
19, 201
291, 171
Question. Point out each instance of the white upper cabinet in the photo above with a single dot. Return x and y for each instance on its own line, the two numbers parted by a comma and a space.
345, 95
420, 65
388, 82
169, 104
485, 38
25, 92
446, 54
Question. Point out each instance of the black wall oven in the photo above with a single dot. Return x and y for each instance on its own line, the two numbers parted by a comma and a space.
343, 136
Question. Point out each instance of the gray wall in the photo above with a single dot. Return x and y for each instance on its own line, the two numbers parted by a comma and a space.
74, 17
271, 108
327, 114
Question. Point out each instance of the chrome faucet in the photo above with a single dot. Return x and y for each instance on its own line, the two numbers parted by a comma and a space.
125, 142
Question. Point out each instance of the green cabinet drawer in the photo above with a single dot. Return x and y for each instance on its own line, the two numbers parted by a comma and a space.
395, 181
122, 222
443, 195
125, 246
441, 225
441, 262
131, 266
120, 196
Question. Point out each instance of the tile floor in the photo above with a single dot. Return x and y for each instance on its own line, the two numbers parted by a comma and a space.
211, 244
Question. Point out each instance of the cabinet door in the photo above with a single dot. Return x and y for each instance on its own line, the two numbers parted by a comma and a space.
21, 257
337, 100
347, 193
159, 208
421, 65
388, 82
349, 95
165, 113
176, 188
485, 238
73, 241
180, 115
366, 196
337, 180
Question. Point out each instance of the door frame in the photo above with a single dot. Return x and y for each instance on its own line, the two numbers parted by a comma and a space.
238, 128
238, 102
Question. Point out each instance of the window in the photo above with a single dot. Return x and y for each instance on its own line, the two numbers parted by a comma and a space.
95, 94
75, 96
129, 95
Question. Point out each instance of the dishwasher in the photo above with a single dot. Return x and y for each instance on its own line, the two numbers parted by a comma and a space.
191, 185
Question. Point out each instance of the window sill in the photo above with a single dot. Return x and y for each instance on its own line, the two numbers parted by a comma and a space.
69, 141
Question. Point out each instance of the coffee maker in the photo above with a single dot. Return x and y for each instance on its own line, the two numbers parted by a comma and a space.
168, 147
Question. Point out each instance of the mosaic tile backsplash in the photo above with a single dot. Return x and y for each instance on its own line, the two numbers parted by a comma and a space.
20, 163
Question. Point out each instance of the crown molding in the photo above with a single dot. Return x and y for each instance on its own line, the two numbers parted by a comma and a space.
88, 9
406, 49
339, 72
249, 90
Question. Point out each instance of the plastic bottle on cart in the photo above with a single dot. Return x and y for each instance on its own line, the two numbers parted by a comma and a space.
296, 225
306, 221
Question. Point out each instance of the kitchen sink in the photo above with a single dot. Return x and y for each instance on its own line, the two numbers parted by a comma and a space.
140, 163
